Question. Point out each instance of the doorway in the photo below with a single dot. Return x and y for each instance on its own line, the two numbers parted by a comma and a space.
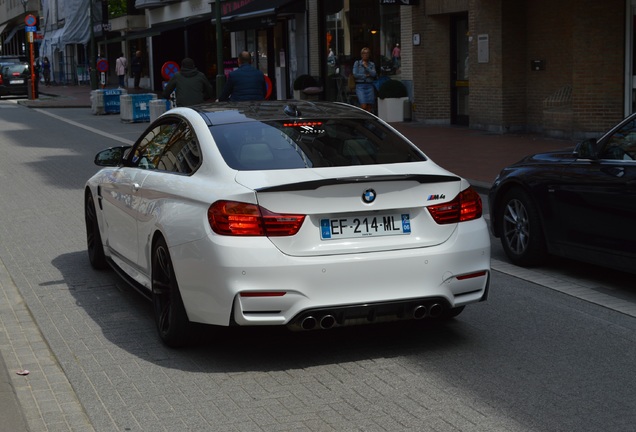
460, 84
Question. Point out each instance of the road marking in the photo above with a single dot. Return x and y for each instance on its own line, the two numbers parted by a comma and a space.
88, 128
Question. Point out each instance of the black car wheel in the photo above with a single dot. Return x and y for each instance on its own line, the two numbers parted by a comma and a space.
94, 244
521, 233
170, 314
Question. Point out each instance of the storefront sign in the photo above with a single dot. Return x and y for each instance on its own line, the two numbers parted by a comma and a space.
400, 2
230, 6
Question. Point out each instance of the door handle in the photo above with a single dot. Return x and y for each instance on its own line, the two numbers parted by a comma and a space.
136, 187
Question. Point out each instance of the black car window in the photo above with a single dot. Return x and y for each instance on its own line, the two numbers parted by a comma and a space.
148, 151
310, 144
182, 153
15, 70
622, 144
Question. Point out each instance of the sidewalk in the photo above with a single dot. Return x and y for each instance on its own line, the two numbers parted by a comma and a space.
476, 155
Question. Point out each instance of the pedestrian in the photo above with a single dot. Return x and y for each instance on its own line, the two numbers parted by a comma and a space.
365, 74
395, 55
121, 68
46, 71
137, 67
245, 83
190, 85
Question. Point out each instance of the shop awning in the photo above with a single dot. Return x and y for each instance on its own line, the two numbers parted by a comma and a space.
240, 9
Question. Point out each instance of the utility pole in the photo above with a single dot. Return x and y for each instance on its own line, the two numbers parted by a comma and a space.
30, 21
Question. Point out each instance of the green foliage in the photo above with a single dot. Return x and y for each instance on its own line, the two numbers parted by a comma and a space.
392, 89
304, 81
117, 8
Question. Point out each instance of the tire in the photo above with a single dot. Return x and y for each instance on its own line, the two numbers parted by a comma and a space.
94, 243
170, 315
521, 234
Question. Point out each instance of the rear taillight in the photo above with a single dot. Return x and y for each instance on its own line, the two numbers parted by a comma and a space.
466, 206
242, 219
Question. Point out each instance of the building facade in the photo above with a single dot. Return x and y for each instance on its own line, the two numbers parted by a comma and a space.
563, 68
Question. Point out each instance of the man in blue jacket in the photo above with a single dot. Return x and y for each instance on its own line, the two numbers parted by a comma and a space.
245, 83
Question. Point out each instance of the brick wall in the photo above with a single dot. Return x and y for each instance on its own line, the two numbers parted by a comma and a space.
580, 90
486, 79
431, 68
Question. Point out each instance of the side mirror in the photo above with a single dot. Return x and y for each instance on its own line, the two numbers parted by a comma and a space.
587, 149
111, 157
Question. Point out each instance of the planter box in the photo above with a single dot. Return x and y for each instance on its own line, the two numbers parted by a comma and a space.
392, 109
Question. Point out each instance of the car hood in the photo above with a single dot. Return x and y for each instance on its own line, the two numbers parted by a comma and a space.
557, 156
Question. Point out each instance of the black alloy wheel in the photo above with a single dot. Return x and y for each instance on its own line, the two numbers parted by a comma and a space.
521, 234
94, 243
170, 314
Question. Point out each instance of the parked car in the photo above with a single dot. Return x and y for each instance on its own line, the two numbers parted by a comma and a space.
578, 204
11, 59
14, 79
298, 214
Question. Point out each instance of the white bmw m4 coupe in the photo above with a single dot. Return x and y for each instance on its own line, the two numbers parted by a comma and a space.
285, 213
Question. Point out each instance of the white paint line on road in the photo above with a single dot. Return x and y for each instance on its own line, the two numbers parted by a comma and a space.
88, 128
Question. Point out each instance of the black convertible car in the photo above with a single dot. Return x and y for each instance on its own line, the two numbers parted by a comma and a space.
578, 204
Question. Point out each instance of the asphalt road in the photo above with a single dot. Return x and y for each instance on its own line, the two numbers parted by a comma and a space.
531, 358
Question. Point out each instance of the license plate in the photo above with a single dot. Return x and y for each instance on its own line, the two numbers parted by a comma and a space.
16, 81
365, 226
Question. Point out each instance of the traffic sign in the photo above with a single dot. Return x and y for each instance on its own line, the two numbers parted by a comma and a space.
31, 29
30, 20
269, 86
168, 70
102, 65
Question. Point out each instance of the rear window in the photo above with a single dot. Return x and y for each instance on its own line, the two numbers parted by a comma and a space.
311, 144
15, 70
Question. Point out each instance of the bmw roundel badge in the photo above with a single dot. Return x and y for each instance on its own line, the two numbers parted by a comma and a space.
368, 196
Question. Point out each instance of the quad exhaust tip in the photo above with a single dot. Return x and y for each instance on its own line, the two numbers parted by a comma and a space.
420, 311
327, 322
309, 323
436, 310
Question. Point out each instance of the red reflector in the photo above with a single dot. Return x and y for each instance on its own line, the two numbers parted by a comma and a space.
263, 294
472, 275
464, 207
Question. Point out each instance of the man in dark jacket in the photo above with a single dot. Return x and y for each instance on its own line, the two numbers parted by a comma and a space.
191, 86
245, 83
137, 67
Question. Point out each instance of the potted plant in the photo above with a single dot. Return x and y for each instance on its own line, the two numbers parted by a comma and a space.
301, 83
392, 95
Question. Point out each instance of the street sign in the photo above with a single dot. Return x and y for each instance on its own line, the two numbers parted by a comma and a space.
31, 29
30, 20
269, 86
102, 65
168, 69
